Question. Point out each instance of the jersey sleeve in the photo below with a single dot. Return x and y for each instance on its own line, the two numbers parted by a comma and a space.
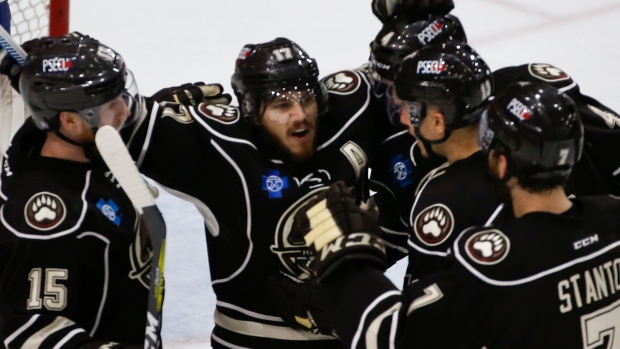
173, 135
367, 311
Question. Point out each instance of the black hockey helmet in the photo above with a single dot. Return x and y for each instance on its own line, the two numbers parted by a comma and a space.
538, 125
273, 69
450, 75
74, 73
400, 37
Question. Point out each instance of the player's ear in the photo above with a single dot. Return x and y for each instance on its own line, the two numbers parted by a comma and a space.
439, 120
499, 164
70, 121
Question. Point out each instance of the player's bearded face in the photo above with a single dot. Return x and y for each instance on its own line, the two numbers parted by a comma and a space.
291, 118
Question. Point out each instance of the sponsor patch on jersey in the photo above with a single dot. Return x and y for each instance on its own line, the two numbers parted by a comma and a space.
109, 209
434, 224
274, 184
223, 113
611, 120
344, 83
401, 170
45, 211
547, 72
487, 247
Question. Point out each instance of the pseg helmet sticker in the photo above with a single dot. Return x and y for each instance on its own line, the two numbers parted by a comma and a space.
547, 72
343, 83
488, 247
45, 211
434, 224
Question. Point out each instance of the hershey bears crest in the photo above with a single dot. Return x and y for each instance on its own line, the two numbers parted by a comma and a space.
434, 224
488, 247
345, 82
45, 211
223, 113
547, 72
292, 250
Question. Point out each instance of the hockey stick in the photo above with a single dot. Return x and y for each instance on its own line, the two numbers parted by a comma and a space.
12, 48
116, 156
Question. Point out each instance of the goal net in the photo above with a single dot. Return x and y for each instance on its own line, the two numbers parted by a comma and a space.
29, 19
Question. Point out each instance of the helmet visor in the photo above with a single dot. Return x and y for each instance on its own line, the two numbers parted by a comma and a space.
119, 112
285, 106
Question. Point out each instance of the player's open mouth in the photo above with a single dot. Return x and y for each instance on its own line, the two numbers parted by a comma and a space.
301, 133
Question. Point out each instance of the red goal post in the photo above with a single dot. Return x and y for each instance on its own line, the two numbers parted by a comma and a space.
35, 18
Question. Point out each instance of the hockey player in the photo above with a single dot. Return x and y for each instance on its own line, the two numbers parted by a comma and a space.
398, 166
443, 90
545, 279
74, 264
248, 173
598, 170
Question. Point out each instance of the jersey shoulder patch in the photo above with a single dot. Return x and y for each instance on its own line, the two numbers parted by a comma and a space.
222, 113
42, 215
547, 72
42, 206
344, 82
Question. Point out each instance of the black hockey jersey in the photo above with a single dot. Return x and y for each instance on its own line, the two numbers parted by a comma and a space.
248, 195
449, 199
74, 268
598, 171
540, 281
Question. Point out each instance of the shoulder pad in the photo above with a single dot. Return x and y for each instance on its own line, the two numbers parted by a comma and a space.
533, 72
222, 113
344, 82
42, 215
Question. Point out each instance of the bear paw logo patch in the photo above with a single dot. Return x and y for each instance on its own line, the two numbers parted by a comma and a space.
45, 211
434, 224
547, 72
223, 113
345, 82
488, 247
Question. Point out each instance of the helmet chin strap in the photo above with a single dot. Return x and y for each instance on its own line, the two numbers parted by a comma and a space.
87, 147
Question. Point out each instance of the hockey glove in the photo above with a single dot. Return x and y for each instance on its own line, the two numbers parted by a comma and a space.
413, 10
193, 94
10, 68
298, 304
341, 231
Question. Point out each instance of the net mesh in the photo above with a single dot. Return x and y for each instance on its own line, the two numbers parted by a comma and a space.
29, 19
